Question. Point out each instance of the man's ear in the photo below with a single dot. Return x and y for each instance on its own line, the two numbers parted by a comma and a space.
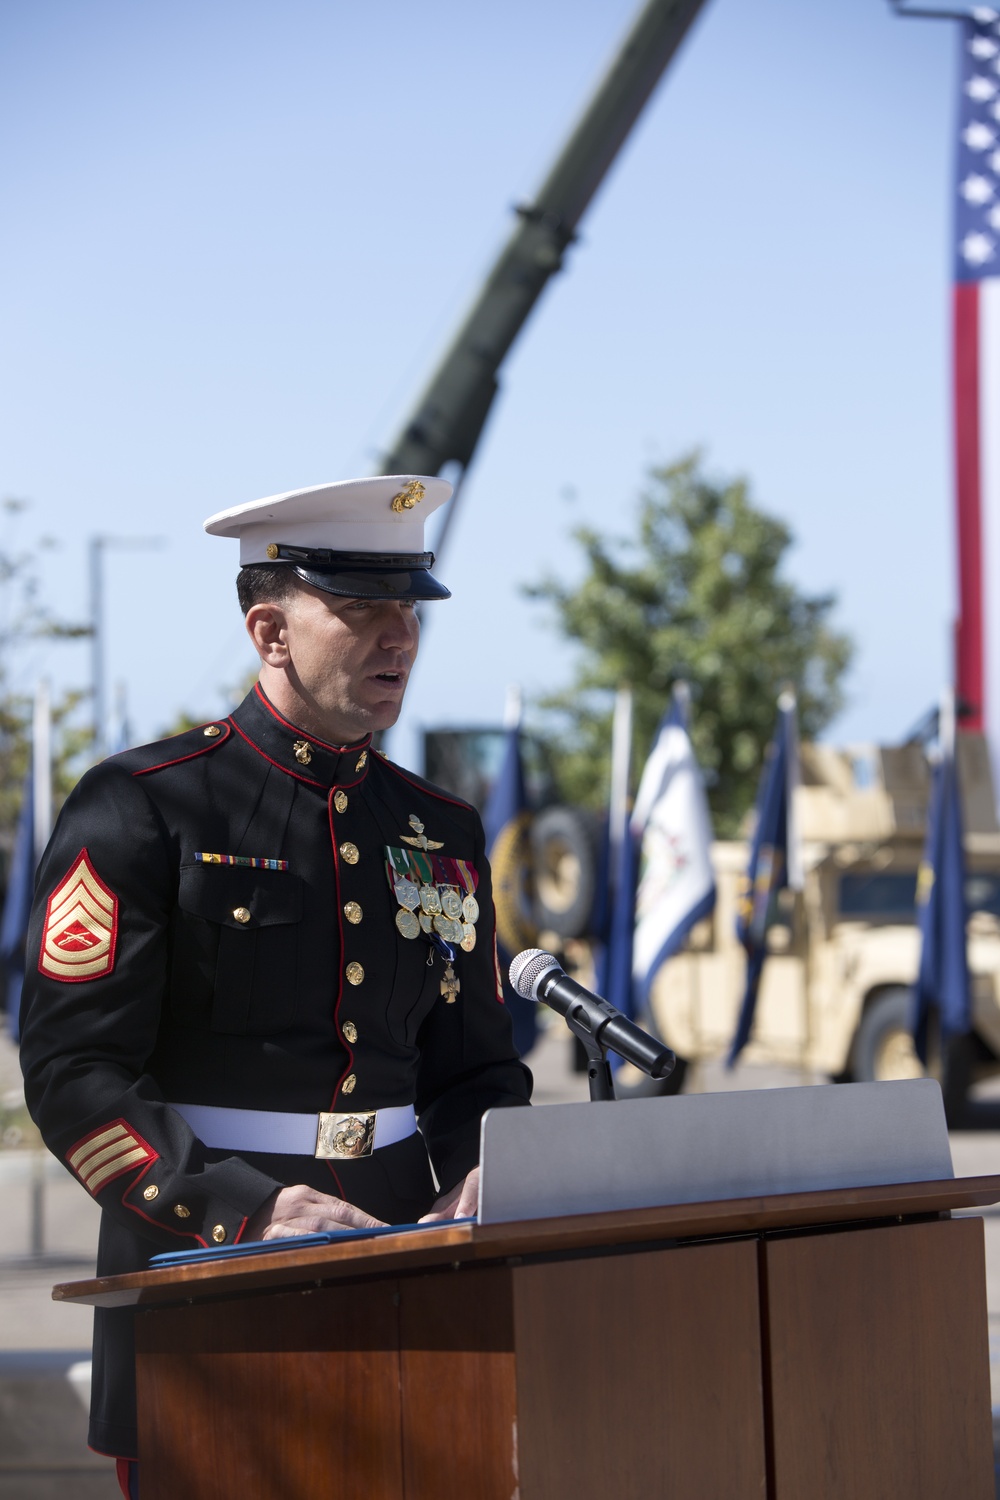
267, 627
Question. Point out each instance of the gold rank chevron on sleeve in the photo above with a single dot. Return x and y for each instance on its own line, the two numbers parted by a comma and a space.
106, 1153
81, 926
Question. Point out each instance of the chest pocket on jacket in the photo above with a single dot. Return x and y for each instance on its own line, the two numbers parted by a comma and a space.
250, 918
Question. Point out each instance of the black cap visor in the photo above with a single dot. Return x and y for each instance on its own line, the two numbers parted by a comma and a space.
375, 583
364, 575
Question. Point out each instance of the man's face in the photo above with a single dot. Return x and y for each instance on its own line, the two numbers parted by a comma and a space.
350, 659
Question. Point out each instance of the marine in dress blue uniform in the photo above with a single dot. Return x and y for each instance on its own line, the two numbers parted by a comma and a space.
262, 958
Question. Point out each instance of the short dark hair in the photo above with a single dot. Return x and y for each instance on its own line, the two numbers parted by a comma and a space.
265, 583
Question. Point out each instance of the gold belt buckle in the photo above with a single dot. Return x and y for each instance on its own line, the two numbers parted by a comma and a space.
344, 1137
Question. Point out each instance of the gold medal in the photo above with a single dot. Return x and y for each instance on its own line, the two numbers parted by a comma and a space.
407, 923
407, 894
451, 902
426, 922
469, 937
429, 899
449, 929
470, 909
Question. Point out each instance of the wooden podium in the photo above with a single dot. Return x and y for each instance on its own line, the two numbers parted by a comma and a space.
798, 1346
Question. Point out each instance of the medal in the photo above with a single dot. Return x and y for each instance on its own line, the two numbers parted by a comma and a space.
469, 938
407, 894
470, 909
430, 901
448, 928
426, 922
451, 902
407, 923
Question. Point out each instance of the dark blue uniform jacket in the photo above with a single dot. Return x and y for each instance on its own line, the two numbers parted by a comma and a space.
155, 978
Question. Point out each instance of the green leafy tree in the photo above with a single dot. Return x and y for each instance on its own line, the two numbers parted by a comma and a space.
697, 595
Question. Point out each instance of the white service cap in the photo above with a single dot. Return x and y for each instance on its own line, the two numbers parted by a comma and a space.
359, 537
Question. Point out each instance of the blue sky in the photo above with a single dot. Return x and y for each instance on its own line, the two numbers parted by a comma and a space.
238, 234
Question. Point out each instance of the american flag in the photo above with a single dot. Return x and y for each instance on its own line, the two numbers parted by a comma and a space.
977, 376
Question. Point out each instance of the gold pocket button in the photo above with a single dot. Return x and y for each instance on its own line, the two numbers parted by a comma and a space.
151, 1192
340, 800
353, 913
212, 732
350, 1032
219, 1233
349, 1084
181, 1211
242, 915
349, 852
355, 973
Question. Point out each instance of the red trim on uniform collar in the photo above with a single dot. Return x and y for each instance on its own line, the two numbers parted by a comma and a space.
359, 745
277, 764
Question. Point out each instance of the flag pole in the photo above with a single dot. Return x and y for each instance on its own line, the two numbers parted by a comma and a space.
41, 760
621, 772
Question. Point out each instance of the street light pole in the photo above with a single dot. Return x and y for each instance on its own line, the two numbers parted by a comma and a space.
96, 569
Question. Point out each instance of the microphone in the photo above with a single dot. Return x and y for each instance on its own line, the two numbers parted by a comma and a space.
536, 975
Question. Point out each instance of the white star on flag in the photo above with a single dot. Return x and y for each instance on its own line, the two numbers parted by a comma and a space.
994, 217
980, 89
977, 249
983, 15
994, 162
976, 190
981, 46
978, 136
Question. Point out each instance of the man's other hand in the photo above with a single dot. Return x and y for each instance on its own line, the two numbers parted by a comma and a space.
302, 1210
461, 1203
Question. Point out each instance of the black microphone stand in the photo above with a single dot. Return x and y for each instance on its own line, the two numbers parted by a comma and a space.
599, 1077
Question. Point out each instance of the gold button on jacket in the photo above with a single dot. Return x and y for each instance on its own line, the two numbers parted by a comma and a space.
340, 801
349, 852
353, 912
355, 973
350, 1032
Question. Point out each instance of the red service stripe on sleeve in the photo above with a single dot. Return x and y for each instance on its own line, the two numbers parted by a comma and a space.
106, 1153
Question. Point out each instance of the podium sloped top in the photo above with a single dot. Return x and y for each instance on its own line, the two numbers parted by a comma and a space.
420, 1250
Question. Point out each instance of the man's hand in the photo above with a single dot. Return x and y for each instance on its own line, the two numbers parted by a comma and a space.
302, 1210
461, 1203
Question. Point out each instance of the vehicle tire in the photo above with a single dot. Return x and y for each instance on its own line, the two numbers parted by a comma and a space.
883, 1047
564, 862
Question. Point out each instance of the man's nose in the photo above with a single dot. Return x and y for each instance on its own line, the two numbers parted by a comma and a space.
400, 627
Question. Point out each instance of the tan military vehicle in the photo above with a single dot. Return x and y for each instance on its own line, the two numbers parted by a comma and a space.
843, 953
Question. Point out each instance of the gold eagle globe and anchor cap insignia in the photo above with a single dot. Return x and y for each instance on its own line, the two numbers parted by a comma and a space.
410, 495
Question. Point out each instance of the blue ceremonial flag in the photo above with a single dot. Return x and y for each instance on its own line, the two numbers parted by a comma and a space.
17, 907
507, 821
943, 977
665, 882
775, 862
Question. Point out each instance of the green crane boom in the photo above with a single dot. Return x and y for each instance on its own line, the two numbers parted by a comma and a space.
445, 423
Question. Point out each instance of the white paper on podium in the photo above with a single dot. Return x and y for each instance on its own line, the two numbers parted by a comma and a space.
643, 1153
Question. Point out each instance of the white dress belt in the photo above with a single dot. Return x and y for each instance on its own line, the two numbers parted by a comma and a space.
294, 1135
